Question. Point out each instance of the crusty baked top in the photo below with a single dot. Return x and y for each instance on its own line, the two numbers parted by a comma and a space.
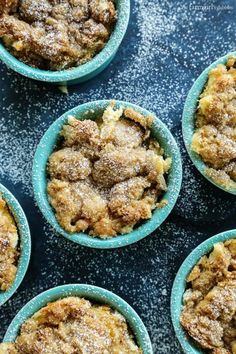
8, 247
215, 137
56, 34
74, 325
108, 175
209, 311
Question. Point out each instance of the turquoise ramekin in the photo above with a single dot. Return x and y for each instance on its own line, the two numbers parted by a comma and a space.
179, 287
188, 119
46, 147
92, 293
83, 72
25, 242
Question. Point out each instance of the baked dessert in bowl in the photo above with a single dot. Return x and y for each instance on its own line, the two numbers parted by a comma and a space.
15, 244
106, 174
209, 123
203, 303
67, 41
77, 318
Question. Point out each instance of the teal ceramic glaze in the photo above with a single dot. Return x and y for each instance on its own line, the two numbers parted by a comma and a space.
83, 72
188, 119
92, 293
25, 242
179, 287
47, 144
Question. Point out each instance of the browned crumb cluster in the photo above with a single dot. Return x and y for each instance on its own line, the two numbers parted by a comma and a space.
215, 137
209, 312
56, 34
74, 325
8, 247
108, 175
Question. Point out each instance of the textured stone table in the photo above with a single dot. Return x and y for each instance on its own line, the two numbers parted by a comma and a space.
167, 46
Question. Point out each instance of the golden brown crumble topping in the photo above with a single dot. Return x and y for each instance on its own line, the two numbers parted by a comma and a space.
209, 311
107, 176
74, 325
215, 137
56, 34
8, 247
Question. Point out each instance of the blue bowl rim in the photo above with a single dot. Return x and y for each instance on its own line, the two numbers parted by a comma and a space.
179, 286
89, 292
83, 70
188, 119
159, 215
25, 242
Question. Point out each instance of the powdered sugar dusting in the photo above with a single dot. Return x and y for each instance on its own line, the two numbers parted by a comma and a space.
167, 46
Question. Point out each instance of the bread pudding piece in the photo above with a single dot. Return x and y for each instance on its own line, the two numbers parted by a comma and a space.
215, 136
209, 311
55, 34
108, 175
74, 325
8, 247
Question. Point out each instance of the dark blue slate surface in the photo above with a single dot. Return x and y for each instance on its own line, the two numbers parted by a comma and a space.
167, 46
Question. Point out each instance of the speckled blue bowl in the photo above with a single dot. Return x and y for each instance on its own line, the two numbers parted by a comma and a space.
25, 242
83, 72
188, 119
179, 287
46, 147
90, 292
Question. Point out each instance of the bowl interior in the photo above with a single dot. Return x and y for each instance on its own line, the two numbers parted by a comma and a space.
89, 292
123, 7
92, 110
25, 242
179, 287
188, 119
